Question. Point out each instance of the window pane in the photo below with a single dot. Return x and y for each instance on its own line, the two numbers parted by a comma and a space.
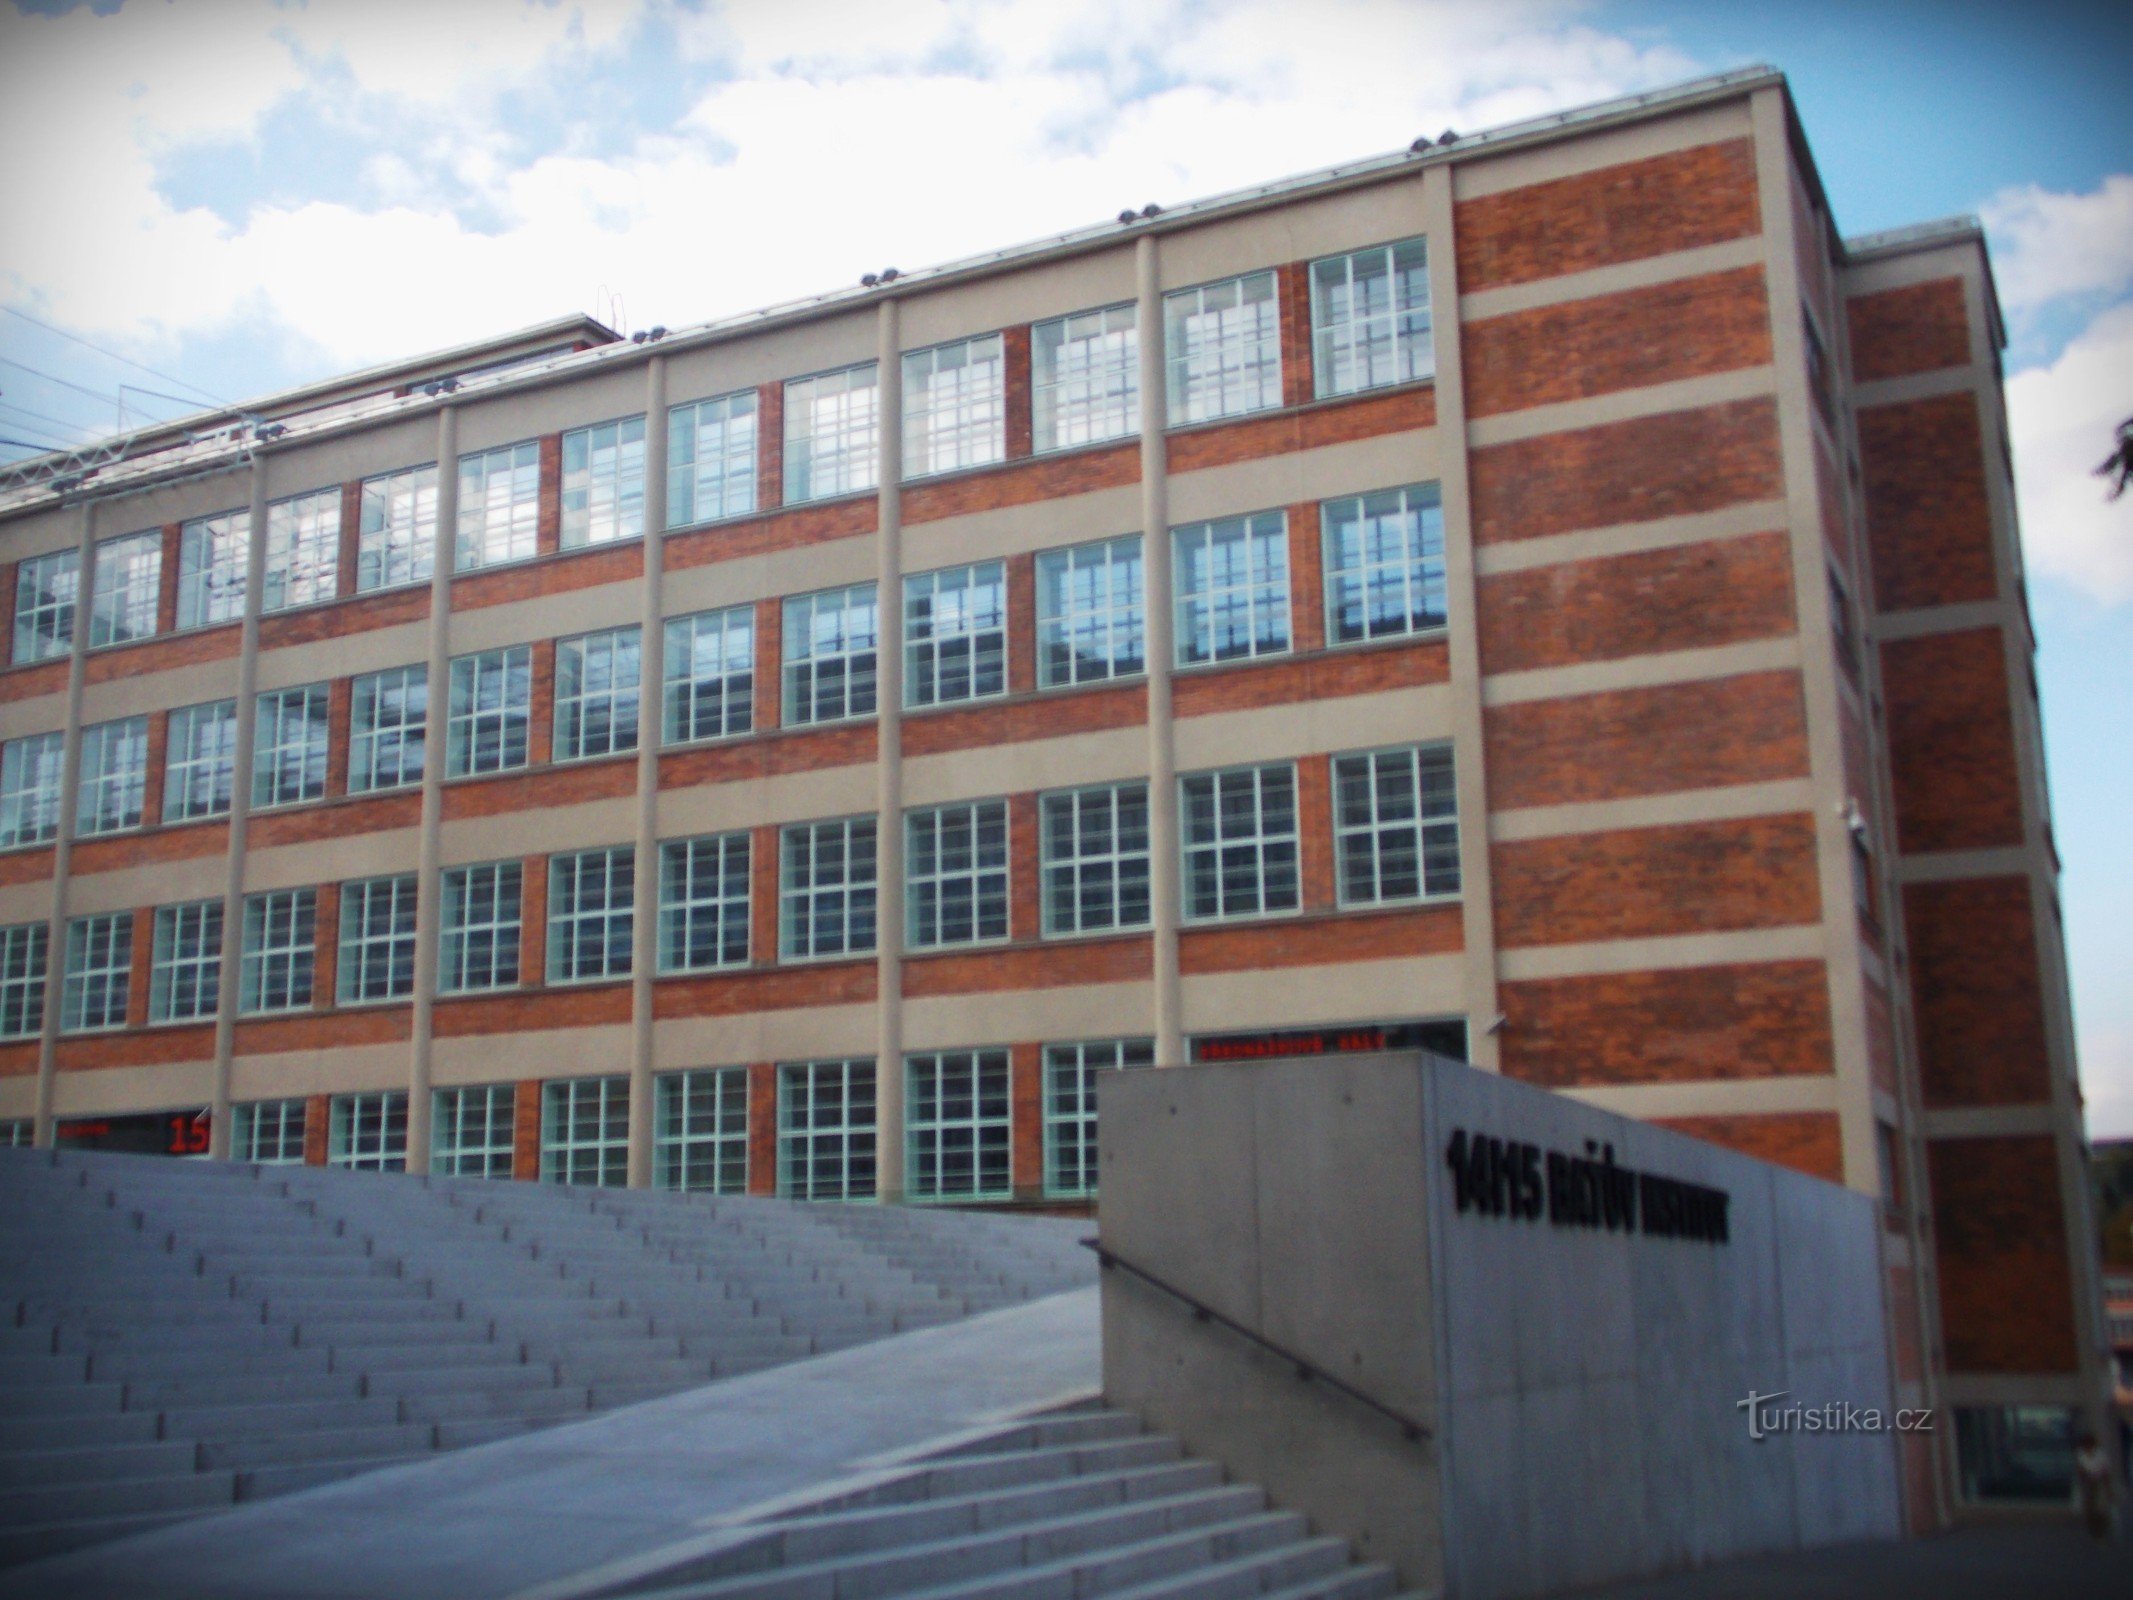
831, 428
1085, 378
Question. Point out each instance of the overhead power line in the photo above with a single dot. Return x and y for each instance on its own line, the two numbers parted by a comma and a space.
138, 366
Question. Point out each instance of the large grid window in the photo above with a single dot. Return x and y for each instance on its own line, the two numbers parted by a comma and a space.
958, 1126
499, 506
585, 1131
826, 889
490, 714
700, 1135
1071, 1073
214, 558
99, 977
388, 722
1384, 564
832, 432
268, 1132
1095, 858
200, 765
481, 927
396, 539
185, 972
955, 406
603, 483
1085, 378
114, 776
1370, 318
830, 642
591, 913
46, 589
375, 955
955, 634
289, 746
368, 1132
955, 860
703, 902
126, 588
709, 675
23, 953
711, 459
30, 772
826, 1130
303, 551
598, 680
1091, 624
1222, 349
471, 1131
280, 947
1396, 824
1239, 841
1232, 579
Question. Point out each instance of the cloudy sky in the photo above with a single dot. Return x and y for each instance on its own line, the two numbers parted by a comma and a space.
218, 198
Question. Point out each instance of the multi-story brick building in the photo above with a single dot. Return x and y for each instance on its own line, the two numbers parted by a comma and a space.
1539, 594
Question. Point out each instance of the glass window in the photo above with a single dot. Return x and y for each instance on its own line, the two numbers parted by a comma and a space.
18, 1133
1396, 825
1370, 320
1095, 858
2010, 1454
376, 955
396, 542
703, 902
597, 681
214, 557
1233, 588
481, 912
955, 860
826, 1130
185, 974
1239, 841
603, 483
200, 765
700, 1137
368, 1132
591, 913
499, 506
280, 945
268, 1132
126, 588
1085, 378
46, 587
711, 459
1090, 623
827, 888
99, 977
490, 714
709, 675
23, 955
1384, 564
303, 551
830, 640
289, 746
114, 776
958, 1126
472, 1131
955, 634
1071, 1072
955, 406
30, 772
387, 724
832, 424
1222, 349
585, 1131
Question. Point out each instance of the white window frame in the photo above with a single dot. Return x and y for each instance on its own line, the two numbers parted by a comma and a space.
955, 406
126, 588
959, 1125
832, 433
700, 1133
1384, 561
362, 948
1241, 574
25, 952
31, 769
489, 712
396, 537
47, 594
268, 1133
303, 551
474, 1131
846, 905
1222, 349
599, 685
200, 761
280, 951
699, 705
483, 904
214, 560
831, 668
387, 751
1077, 877
711, 459
826, 1129
290, 739
185, 968
955, 634
1092, 618
1390, 339
704, 902
368, 1132
112, 793
592, 900
99, 973
1085, 378
603, 483
1071, 1073
1214, 848
585, 1131
1367, 823
499, 507
956, 873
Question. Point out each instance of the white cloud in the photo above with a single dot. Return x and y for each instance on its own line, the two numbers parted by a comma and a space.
2062, 419
2049, 246
2107, 1081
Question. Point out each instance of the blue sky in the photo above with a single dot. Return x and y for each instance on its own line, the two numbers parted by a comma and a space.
238, 195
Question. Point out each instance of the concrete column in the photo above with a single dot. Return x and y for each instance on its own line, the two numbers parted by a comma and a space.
644, 950
428, 910
889, 813
55, 939
255, 570
1160, 608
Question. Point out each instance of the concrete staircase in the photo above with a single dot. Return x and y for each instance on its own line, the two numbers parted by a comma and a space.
178, 1337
